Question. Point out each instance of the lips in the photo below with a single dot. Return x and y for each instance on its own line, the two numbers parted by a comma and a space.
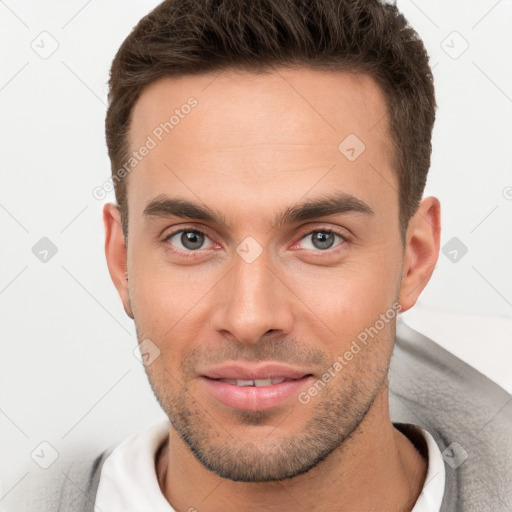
240, 371
251, 382
254, 387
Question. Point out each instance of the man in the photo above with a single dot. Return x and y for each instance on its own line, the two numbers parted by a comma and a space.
269, 159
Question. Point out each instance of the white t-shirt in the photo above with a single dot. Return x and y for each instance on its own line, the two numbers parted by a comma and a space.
128, 480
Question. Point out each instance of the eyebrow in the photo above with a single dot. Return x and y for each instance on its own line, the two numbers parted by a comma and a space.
333, 204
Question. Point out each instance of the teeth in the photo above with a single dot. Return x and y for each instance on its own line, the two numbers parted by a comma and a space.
256, 382
240, 382
263, 382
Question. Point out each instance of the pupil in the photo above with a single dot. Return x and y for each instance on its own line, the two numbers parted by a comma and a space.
322, 240
192, 240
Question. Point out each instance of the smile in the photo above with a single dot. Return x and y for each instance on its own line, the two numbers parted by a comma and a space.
256, 382
254, 386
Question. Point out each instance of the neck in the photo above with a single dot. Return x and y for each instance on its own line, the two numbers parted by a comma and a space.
376, 468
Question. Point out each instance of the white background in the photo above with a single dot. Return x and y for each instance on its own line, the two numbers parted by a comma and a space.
68, 373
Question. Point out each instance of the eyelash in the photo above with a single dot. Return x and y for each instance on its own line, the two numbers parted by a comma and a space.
193, 254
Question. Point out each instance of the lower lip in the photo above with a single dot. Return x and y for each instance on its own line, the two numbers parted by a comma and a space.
255, 398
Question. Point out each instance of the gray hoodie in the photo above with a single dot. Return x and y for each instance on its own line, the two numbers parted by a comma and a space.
468, 415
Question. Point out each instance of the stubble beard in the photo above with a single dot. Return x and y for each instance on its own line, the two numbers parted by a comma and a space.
336, 417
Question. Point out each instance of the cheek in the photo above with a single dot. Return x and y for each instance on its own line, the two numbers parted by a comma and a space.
344, 308
169, 306
162, 290
154, 299
353, 294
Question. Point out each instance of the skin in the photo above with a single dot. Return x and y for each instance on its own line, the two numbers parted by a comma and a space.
255, 145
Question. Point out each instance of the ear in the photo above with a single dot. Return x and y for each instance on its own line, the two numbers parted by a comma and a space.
116, 253
422, 250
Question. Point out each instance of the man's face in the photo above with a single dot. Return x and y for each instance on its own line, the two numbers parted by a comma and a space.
247, 294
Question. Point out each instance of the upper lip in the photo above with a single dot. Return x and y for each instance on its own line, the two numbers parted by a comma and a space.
244, 371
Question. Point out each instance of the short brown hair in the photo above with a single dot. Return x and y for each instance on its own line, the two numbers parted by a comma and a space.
181, 37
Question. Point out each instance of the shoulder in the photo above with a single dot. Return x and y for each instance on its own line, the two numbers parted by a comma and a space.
437, 381
469, 416
69, 485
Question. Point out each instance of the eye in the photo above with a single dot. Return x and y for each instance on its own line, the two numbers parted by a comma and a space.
188, 240
321, 239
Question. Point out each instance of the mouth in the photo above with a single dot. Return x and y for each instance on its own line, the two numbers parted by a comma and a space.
254, 388
255, 382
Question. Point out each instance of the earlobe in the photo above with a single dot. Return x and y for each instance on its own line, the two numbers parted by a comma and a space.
422, 251
116, 253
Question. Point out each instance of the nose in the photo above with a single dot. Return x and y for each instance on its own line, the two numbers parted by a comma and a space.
253, 299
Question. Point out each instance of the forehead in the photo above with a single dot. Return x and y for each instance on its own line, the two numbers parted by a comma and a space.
283, 132
327, 102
